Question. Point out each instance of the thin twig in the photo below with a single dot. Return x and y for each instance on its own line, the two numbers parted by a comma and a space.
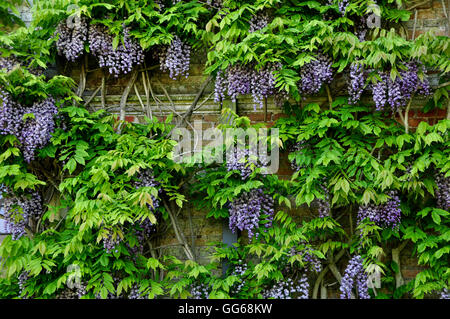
335, 271
265, 109
166, 246
82, 82
401, 117
191, 226
150, 68
448, 109
350, 219
172, 105
323, 292
157, 101
204, 101
443, 84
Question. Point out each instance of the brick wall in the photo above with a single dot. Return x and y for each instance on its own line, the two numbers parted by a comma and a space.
198, 230
427, 15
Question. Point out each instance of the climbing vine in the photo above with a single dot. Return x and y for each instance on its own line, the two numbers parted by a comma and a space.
89, 195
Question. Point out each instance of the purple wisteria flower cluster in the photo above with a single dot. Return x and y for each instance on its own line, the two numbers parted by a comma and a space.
297, 147
38, 127
445, 294
32, 125
240, 160
135, 292
238, 271
357, 80
111, 242
23, 278
8, 63
200, 291
343, 4
324, 207
312, 262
